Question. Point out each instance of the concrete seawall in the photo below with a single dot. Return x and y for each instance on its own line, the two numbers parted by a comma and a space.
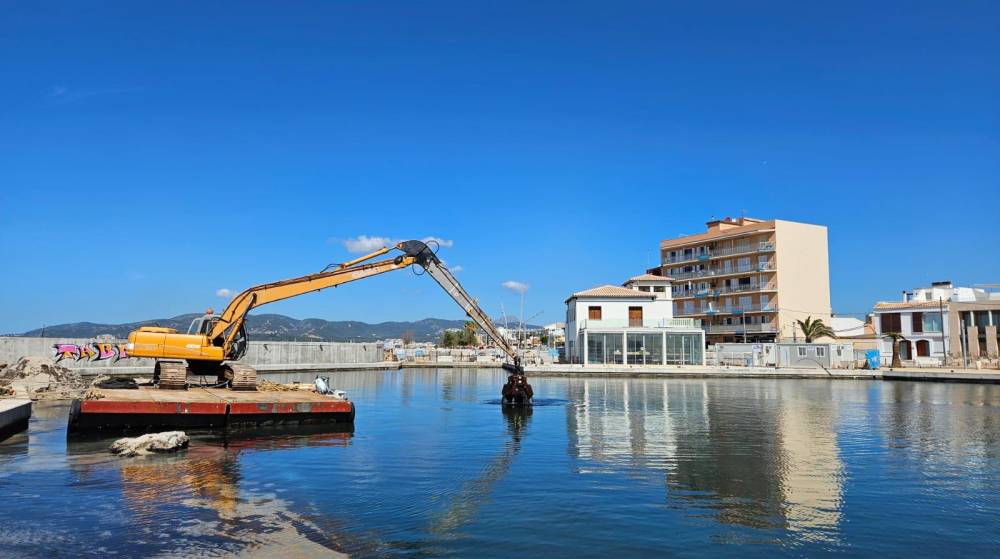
14, 415
93, 357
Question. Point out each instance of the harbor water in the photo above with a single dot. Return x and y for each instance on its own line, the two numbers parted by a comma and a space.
600, 467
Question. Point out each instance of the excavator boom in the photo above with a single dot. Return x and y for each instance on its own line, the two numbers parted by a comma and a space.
223, 338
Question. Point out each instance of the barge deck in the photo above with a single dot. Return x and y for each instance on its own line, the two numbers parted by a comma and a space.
148, 409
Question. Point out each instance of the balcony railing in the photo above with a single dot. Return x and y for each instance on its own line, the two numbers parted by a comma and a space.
739, 328
763, 246
724, 290
713, 272
618, 324
733, 309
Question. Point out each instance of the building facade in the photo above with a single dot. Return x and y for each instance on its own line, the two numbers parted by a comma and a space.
938, 321
749, 280
630, 325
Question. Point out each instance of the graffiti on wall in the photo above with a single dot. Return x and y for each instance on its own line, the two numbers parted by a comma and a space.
94, 351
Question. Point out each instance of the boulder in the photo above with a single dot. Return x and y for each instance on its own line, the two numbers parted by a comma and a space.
168, 441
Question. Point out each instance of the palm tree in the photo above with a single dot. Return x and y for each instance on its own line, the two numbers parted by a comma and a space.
896, 337
813, 329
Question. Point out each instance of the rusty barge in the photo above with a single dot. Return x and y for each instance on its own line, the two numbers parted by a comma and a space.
150, 409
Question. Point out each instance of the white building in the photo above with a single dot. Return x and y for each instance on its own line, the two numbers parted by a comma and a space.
630, 325
931, 319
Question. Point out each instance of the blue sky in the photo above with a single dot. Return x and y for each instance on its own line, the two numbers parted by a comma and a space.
151, 155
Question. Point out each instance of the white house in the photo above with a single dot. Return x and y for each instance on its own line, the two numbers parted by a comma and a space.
942, 316
630, 325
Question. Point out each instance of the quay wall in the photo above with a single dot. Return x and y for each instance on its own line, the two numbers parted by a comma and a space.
92, 357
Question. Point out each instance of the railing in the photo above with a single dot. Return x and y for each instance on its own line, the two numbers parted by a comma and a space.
711, 272
716, 291
739, 328
732, 309
763, 246
618, 324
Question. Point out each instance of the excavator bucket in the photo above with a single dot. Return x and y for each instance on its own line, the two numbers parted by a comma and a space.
517, 391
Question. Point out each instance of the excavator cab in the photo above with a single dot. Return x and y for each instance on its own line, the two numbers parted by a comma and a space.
202, 325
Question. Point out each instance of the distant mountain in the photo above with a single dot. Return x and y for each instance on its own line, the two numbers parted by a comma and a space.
273, 327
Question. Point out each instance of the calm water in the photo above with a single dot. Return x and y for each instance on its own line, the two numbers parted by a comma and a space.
607, 467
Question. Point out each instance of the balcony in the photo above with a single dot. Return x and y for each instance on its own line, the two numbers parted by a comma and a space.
734, 309
620, 324
763, 246
725, 290
718, 272
739, 328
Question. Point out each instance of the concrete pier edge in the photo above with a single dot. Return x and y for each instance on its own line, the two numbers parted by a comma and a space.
14, 416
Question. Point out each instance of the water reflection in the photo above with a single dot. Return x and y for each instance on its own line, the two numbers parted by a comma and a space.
761, 455
477, 492
203, 485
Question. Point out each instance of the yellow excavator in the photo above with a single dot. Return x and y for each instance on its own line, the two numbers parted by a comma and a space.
214, 343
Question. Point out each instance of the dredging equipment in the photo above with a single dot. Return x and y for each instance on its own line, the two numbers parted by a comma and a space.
214, 343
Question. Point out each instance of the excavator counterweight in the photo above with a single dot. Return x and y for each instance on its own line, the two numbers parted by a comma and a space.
213, 343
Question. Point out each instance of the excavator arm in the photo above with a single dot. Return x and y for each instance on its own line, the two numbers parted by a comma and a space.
226, 328
221, 341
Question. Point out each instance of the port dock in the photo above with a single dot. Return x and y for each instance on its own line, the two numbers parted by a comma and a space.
14, 416
148, 409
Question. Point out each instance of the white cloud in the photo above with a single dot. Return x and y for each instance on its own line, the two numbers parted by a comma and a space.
456, 268
364, 243
371, 243
444, 243
223, 292
515, 286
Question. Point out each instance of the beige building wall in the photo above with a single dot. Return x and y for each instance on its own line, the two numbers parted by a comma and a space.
803, 271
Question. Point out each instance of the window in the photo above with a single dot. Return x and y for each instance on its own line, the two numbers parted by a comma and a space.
923, 348
820, 352
644, 288
802, 351
635, 317
889, 322
918, 321
659, 289
605, 348
930, 322
594, 313
644, 349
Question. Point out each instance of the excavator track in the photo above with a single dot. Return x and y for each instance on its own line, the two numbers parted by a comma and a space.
172, 376
241, 377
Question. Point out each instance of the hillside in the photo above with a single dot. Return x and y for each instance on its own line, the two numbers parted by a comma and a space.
272, 327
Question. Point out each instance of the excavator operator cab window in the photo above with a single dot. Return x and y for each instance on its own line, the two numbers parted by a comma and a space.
202, 325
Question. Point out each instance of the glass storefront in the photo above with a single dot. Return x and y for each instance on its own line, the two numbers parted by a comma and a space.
685, 349
645, 349
605, 348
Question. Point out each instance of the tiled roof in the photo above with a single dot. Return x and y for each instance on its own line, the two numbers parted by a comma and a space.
648, 277
907, 305
613, 291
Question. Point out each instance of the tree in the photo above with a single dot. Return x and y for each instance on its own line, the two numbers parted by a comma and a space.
448, 339
815, 329
468, 334
896, 337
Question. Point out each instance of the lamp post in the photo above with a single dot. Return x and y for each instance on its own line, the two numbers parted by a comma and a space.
944, 342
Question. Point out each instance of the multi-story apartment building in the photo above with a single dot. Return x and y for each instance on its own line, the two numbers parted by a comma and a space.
749, 279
